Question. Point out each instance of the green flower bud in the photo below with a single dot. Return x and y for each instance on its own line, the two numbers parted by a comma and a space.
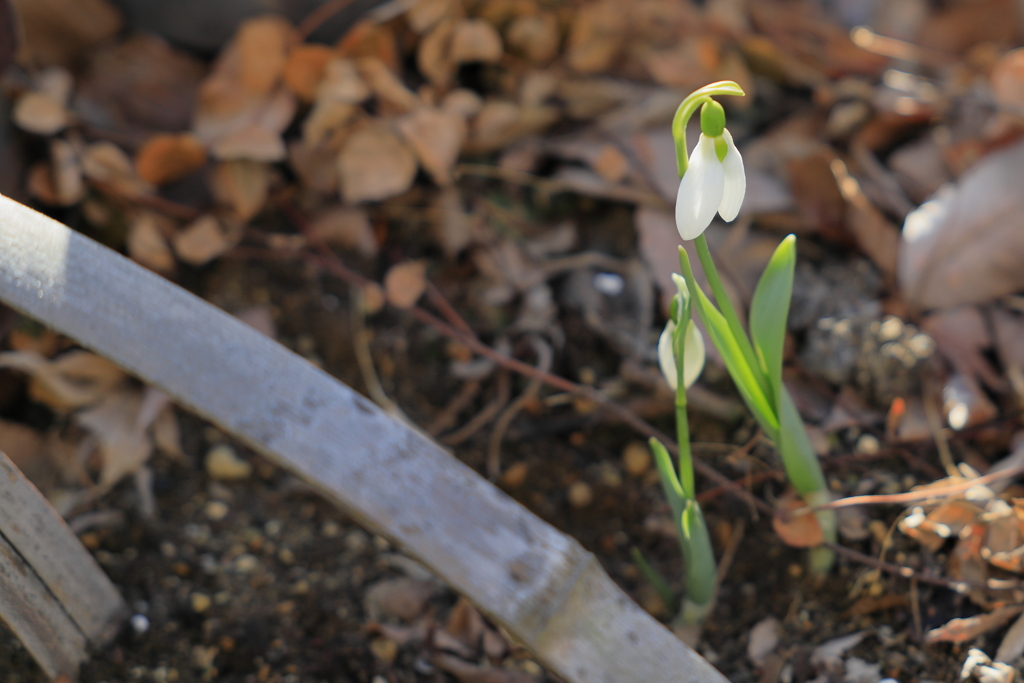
712, 119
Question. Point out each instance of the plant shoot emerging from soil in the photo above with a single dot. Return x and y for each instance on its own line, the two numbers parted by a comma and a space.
713, 181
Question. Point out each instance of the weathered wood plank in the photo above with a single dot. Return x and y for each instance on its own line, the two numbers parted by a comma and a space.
36, 618
540, 584
39, 534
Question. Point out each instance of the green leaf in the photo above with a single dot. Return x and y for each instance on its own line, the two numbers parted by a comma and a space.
669, 480
770, 308
735, 363
700, 558
656, 579
730, 316
798, 457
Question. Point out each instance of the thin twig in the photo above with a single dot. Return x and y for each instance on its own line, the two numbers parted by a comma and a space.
446, 419
318, 17
921, 494
489, 412
545, 355
898, 569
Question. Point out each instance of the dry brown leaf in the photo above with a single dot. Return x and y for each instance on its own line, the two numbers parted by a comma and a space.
962, 336
453, 227
202, 241
139, 86
305, 69
472, 673
45, 341
371, 39
1012, 645
425, 13
375, 164
166, 158
39, 183
959, 26
798, 531
167, 433
241, 186
1008, 80
963, 630
496, 124
437, 136
763, 639
107, 163
875, 234
386, 85
124, 446
405, 283
611, 164
226, 105
684, 65
324, 120
465, 623
966, 244
147, 244
535, 36
597, 36
346, 227
941, 524
72, 380
61, 31
263, 52
402, 598
252, 143
342, 83
26, 447
317, 167
475, 40
37, 113
432, 53
462, 101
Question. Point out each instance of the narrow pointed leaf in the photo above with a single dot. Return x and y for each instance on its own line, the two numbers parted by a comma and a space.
770, 308
730, 316
798, 457
735, 363
656, 578
700, 558
669, 480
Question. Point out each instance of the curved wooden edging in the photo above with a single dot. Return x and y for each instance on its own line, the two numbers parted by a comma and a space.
538, 583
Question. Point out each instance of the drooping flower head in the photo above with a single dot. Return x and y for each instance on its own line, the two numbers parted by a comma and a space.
714, 180
689, 345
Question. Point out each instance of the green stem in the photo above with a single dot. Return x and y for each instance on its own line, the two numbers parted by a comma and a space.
733, 320
686, 479
688, 107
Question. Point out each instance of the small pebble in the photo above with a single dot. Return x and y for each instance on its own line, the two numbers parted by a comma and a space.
286, 556
796, 570
246, 563
216, 510
356, 541
580, 494
223, 463
384, 649
200, 602
867, 444
636, 458
515, 476
330, 529
140, 623
531, 667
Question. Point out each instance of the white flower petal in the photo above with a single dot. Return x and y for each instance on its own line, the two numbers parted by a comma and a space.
735, 181
666, 359
693, 353
700, 190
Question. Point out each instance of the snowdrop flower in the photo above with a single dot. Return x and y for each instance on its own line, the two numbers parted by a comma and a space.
714, 181
693, 344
